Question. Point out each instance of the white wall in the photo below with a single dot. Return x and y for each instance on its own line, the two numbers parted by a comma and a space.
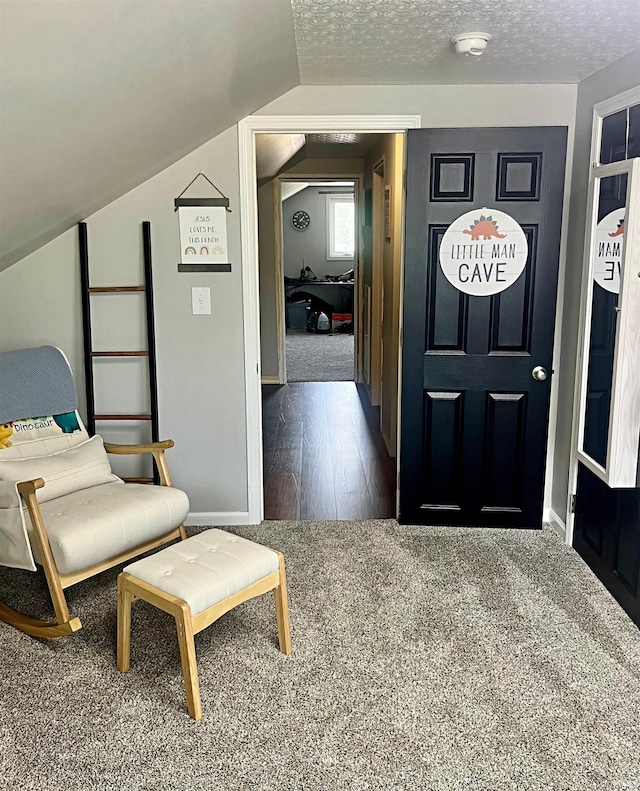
268, 283
309, 246
439, 105
200, 360
41, 306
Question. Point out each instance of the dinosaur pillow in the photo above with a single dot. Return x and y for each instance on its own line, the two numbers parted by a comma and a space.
66, 471
21, 432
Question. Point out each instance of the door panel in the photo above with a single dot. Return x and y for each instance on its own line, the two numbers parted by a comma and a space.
607, 536
511, 309
474, 421
443, 462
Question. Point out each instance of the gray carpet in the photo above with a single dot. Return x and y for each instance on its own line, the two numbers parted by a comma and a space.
424, 658
315, 357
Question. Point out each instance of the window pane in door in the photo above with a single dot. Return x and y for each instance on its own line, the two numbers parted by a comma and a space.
608, 247
633, 147
614, 138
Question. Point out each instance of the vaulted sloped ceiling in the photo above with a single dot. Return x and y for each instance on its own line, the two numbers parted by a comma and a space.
99, 95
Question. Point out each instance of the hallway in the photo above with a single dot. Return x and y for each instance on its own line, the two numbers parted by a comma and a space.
324, 457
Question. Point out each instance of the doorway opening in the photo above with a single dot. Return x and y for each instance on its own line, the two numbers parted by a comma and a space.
319, 260
322, 290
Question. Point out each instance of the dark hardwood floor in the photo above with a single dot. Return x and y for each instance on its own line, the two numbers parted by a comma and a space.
324, 456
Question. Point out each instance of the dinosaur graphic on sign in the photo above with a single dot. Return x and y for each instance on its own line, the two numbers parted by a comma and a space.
619, 230
484, 227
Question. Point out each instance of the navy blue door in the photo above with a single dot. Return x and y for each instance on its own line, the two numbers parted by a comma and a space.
474, 418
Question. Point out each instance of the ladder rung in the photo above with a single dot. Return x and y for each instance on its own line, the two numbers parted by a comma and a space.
114, 289
122, 417
138, 480
119, 354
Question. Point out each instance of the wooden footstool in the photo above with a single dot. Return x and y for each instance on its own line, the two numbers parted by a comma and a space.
197, 581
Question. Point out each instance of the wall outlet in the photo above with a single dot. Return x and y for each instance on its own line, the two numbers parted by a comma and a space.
200, 301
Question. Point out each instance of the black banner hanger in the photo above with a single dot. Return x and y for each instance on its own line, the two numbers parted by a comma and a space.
180, 201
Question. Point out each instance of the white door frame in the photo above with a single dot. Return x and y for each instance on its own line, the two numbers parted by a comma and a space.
377, 300
247, 130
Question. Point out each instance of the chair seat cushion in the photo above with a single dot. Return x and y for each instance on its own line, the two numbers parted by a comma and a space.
100, 522
206, 568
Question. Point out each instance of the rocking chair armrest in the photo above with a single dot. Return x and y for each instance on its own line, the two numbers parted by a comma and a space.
157, 449
29, 487
148, 447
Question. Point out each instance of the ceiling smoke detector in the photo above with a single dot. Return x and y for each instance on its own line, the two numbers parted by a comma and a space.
471, 43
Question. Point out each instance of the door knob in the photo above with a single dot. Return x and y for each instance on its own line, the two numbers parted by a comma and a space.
539, 373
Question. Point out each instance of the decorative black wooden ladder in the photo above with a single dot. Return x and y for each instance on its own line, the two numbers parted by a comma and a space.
90, 354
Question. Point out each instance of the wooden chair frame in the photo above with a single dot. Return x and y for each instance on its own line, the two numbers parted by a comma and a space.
57, 582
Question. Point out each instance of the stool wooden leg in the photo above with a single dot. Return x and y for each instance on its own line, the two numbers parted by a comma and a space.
125, 598
282, 610
188, 659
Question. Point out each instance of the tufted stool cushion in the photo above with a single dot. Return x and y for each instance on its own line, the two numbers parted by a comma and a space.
196, 581
206, 568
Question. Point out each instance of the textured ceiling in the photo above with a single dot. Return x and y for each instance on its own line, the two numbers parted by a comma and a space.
408, 41
340, 145
366, 140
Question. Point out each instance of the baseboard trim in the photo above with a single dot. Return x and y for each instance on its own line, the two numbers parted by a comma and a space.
557, 524
218, 518
270, 380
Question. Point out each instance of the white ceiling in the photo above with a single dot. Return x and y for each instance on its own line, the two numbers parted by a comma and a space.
273, 151
354, 145
99, 95
366, 42
290, 188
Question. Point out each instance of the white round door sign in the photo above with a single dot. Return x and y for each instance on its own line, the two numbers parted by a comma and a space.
607, 256
483, 252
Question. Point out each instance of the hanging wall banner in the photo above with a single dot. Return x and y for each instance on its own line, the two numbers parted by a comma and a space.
483, 252
203, 235
607, 256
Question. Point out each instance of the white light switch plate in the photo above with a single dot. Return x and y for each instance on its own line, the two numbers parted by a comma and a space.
200, 300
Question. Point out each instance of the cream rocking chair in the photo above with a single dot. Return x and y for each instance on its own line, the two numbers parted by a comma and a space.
60, 504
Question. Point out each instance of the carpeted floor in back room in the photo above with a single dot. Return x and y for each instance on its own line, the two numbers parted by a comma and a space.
319, 358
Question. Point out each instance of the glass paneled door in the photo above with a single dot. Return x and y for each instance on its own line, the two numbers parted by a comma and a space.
606, 530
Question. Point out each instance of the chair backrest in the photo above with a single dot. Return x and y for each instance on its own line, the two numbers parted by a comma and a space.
38, 404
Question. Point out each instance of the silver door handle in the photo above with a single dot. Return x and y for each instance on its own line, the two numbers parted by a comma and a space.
539, 373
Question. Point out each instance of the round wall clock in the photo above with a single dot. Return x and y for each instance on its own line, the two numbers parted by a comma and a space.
300, 220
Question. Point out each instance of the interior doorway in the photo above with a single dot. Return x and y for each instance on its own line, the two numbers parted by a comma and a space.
319, 261
288, 429
326, 249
